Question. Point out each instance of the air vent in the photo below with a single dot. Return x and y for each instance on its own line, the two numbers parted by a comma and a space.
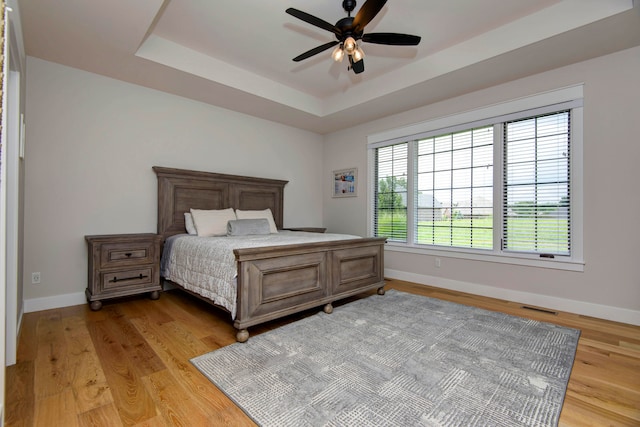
541, 310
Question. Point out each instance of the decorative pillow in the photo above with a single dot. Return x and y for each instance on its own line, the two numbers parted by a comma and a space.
266, 214
246, 227
212, 222
188, 223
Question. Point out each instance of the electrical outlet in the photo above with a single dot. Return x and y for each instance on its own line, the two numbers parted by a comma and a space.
438, 262
35, 278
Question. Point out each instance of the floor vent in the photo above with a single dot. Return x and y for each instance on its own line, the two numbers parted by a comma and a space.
541, 310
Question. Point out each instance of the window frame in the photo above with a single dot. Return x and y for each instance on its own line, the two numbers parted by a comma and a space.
569, 98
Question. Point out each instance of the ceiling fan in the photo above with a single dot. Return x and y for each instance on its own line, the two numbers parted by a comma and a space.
351, 29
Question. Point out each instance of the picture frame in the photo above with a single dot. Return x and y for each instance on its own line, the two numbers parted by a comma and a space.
345, 182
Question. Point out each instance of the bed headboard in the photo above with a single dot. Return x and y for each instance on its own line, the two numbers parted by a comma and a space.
180, 190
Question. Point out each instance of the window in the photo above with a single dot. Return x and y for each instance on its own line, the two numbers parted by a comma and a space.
391, 190
455, 189
502, 186
536, 208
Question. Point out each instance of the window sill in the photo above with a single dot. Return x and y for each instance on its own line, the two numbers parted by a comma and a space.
563, 263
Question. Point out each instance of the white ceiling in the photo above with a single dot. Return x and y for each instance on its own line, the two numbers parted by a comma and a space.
237, 54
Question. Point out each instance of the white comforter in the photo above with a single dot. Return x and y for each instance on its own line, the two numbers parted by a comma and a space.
207, 265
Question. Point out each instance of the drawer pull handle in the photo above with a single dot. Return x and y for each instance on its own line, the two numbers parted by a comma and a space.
128, 254
115, 279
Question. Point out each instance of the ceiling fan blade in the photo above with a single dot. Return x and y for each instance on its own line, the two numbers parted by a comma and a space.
367, 12
315, 51
392, 39
310, 19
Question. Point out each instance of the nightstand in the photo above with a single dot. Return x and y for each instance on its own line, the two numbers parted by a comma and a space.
122, 265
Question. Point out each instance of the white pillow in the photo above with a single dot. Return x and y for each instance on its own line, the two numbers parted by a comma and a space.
212, 222
188, 223
267, 214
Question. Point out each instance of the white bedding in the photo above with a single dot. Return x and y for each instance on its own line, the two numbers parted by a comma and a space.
207, 265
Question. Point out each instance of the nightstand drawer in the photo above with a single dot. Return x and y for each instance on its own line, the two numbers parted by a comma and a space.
116, 280
122, 254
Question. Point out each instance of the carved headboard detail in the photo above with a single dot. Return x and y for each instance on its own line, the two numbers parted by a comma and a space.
180, 190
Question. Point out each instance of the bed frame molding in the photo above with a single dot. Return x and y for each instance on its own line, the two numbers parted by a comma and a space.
279, 280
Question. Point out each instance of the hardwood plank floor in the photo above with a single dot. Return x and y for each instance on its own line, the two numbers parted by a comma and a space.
128, 364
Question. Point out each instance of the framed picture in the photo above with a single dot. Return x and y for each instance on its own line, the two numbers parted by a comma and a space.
345, 182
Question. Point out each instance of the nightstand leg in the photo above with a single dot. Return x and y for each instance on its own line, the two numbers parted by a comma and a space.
96, 305
155, 295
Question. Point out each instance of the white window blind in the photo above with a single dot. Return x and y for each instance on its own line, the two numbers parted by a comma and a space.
536, 187
391, 192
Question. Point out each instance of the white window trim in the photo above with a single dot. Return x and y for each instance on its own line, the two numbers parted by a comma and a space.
486, 115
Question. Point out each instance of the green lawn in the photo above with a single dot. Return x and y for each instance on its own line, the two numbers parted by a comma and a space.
552, 233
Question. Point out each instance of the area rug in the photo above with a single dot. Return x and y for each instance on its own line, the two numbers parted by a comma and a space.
399, 360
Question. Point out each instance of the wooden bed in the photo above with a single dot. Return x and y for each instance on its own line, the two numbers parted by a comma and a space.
279, 280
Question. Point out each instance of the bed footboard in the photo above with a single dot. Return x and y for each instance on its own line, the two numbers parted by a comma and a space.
281, 280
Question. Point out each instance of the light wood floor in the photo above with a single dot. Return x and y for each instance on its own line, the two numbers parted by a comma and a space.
128, 364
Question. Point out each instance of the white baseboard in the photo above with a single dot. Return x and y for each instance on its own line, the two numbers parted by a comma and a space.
66, 300
58, 301
600, 311
615, 314
167, 286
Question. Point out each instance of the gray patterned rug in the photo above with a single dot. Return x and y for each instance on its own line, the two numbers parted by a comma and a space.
399, 360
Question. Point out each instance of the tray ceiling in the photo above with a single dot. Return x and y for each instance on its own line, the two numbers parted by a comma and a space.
237, 54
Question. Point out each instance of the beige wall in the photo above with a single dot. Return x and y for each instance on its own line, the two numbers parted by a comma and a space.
90, 144
610, 284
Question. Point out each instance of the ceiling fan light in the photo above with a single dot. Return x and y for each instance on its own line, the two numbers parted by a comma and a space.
350, 45
338, 54
357, 54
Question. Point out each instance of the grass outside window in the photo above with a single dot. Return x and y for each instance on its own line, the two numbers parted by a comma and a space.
477, 233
